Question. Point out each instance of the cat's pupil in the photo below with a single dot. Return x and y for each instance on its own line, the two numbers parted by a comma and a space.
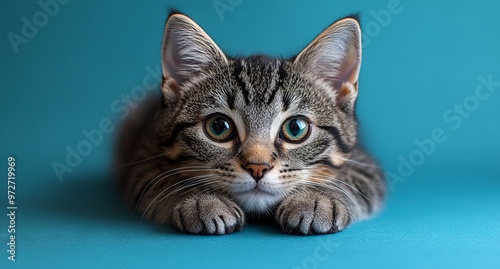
296, 127
219, 126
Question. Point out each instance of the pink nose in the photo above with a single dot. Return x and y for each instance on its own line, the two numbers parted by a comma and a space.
257, 170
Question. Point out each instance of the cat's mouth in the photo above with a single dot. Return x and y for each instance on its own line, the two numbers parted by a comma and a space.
257, 189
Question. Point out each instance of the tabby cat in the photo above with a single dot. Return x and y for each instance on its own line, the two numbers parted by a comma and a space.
236, 138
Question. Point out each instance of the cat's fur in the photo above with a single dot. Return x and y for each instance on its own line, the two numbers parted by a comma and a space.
177, 175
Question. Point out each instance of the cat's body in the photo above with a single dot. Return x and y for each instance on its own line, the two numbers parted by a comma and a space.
233, 138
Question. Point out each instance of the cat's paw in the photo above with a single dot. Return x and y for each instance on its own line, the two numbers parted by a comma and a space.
312, 213
208, 214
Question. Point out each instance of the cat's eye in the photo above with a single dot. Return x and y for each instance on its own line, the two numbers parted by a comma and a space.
219, 128
295, 129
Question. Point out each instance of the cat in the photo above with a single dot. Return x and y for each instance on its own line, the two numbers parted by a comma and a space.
230, 139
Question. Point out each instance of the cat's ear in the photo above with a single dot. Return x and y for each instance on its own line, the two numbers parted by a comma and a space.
187, 51
334, 57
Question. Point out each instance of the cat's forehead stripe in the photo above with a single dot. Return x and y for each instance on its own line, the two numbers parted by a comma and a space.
278, 78
259, 79
238, 69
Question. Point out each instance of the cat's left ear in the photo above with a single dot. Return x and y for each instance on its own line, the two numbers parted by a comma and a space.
334, 57
187, 53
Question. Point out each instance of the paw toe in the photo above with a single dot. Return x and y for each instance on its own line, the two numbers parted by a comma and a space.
312, 214
208, 215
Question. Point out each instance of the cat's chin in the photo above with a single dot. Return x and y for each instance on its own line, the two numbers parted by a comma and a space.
257, 201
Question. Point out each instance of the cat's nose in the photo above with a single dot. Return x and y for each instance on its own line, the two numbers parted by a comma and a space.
257, 170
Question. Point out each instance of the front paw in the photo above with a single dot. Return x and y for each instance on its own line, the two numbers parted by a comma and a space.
312, 213
208, 214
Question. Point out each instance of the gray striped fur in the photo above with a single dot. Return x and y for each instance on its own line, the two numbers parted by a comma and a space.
173, 173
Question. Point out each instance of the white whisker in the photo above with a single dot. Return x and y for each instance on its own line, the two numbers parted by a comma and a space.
166, 174
184, 184
356, 162
334, 187
325, 180
137, 162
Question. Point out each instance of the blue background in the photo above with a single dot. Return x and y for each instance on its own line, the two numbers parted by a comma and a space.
443, 209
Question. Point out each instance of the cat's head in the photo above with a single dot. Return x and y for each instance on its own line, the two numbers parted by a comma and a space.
258, 128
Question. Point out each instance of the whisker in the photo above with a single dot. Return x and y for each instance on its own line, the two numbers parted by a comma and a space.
356, 162
209, 187
181, 187
331, 187
166, 174
189, 185
187, 181
183, 181
137, 162
325, 180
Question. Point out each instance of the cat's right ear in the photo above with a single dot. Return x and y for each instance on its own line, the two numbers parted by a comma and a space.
187, 52
334, 58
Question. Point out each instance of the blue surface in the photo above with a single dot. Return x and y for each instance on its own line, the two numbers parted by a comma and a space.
443, 210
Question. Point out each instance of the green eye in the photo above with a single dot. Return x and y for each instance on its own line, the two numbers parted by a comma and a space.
219, 128
295, 129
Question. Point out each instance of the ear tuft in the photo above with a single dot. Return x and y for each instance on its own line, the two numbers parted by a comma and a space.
173, 11
334, 57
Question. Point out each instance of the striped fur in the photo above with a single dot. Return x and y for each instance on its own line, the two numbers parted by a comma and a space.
171, 172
